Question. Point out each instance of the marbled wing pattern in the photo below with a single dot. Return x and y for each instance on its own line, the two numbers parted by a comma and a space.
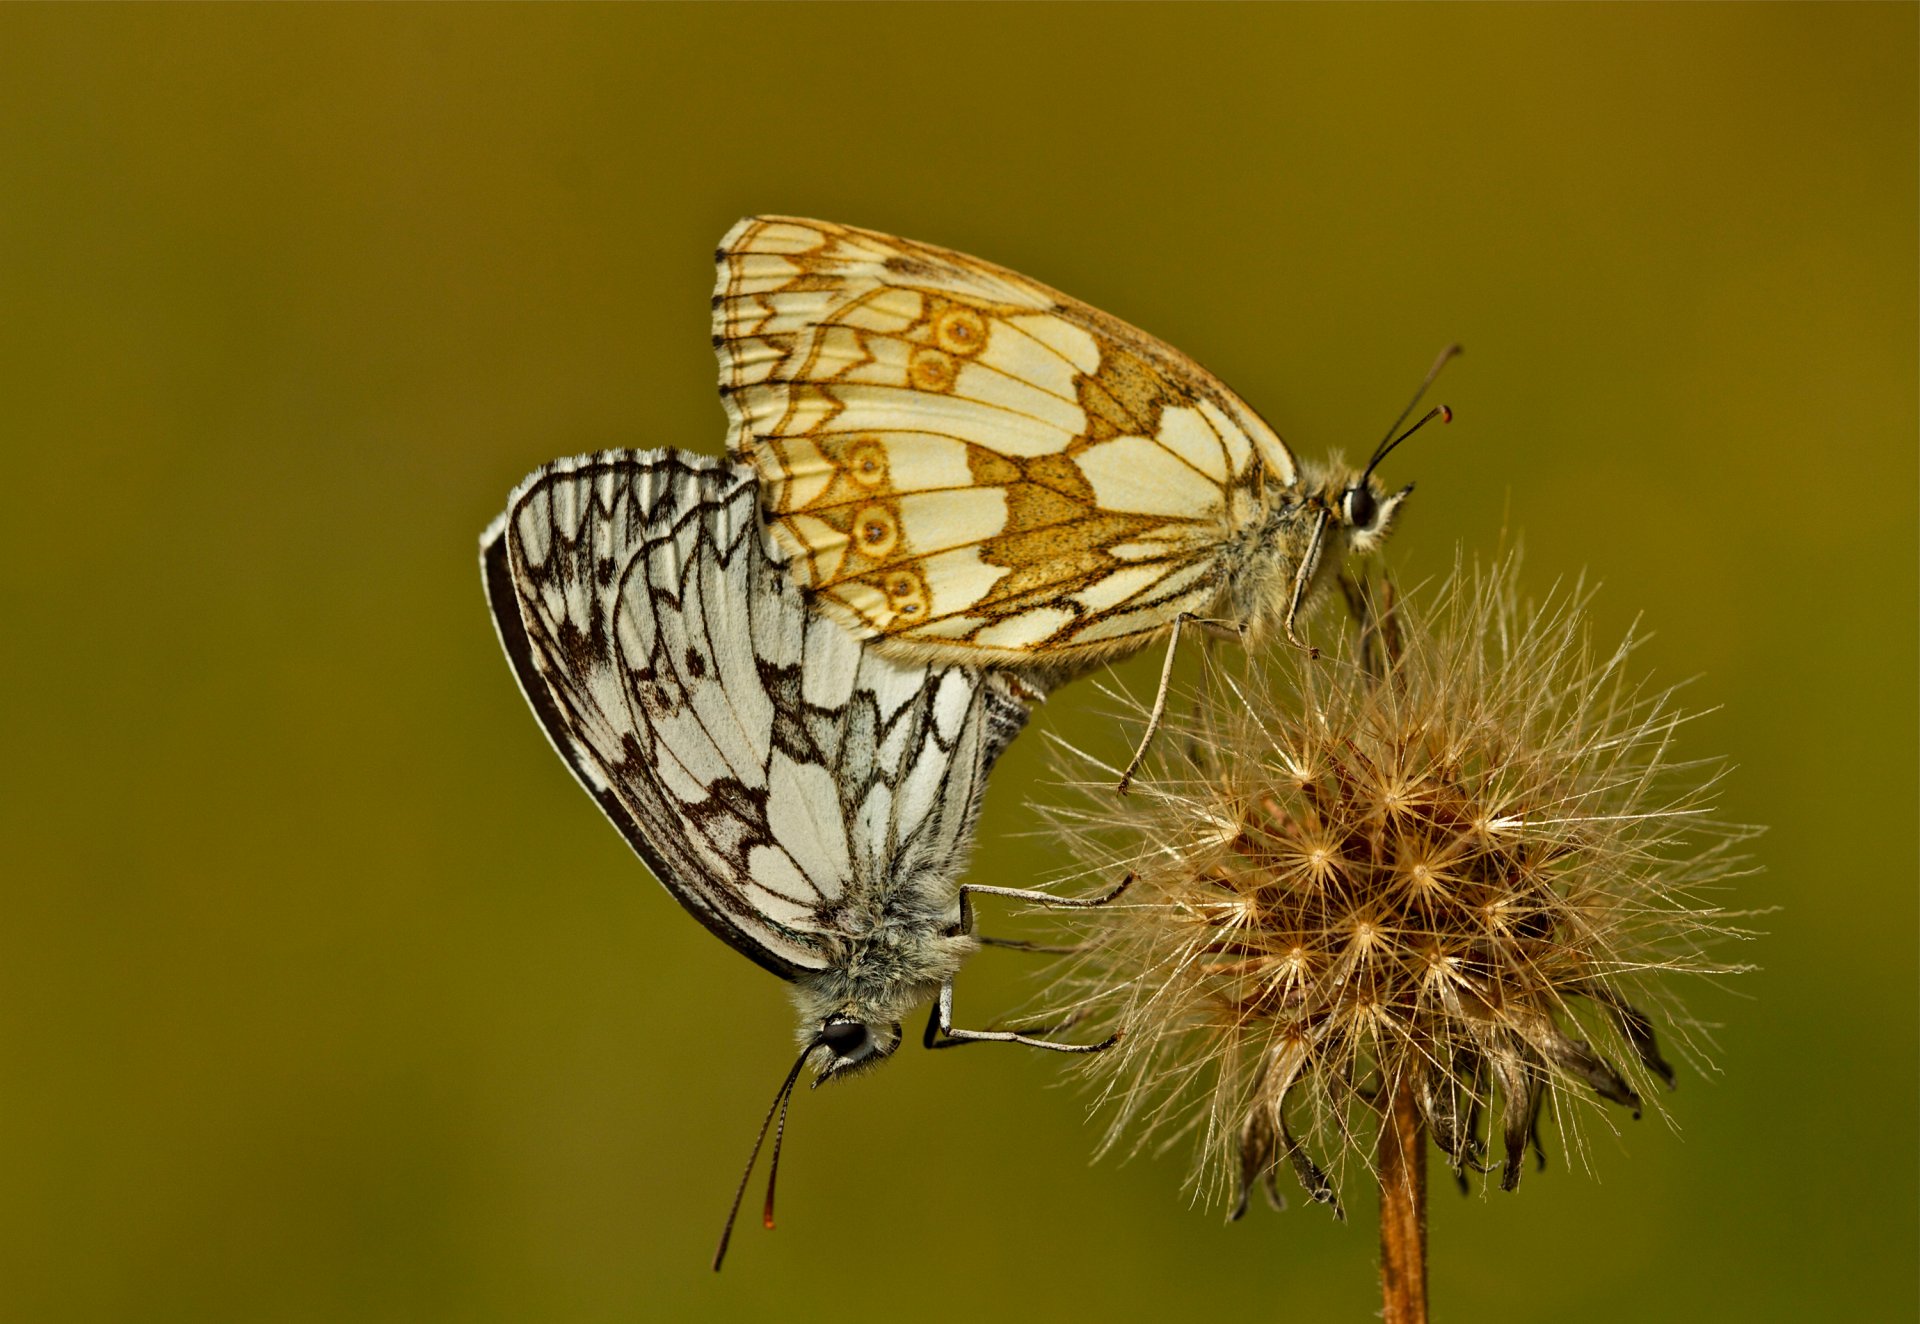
788, 785
970, 465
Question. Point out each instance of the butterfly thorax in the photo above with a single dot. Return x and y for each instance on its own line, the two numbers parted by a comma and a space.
879, 972
1291, 526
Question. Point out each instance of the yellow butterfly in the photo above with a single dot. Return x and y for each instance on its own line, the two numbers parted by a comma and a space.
969, 466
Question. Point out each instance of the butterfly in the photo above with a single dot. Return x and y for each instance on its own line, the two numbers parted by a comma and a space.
966, 465
808, 799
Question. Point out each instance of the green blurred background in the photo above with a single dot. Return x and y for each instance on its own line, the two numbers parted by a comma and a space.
326, 995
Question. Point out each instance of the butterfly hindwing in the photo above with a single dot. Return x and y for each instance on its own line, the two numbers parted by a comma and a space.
966, 462
772, 772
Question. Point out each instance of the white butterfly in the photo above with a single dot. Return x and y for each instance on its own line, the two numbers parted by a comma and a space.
807, 799
967, 465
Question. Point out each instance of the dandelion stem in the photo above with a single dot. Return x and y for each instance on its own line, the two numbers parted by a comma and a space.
1403, 1209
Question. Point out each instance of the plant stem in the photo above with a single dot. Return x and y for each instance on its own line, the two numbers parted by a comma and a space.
1403, 1210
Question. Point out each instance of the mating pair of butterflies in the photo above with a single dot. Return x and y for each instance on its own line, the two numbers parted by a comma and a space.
785, 676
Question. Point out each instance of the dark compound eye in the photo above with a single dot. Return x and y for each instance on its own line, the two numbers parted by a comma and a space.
845, 1038
1361, 507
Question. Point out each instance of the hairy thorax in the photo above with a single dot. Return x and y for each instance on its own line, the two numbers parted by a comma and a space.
1261, 561
881, 974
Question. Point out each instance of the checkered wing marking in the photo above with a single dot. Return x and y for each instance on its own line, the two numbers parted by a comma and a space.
964, 461
772, 772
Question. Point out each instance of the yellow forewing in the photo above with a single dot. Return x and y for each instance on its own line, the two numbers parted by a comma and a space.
964, 461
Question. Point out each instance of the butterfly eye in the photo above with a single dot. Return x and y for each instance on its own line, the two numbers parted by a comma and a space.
1360, 506
845, 1039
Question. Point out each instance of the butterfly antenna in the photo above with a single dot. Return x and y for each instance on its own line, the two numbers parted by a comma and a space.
1440, 412
773, 1164
779, 1106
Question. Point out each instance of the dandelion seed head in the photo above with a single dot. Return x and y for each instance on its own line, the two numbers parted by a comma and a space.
1461, 865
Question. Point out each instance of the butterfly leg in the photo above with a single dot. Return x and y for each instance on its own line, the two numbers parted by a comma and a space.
940, 1023
1040, 898
1302, 581
1047, 899
1021, 945
1159, 703
931, 1038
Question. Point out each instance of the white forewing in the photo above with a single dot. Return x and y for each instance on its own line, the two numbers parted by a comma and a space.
778, 777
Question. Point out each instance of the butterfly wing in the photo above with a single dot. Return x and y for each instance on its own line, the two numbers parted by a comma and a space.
968, 463
769, 770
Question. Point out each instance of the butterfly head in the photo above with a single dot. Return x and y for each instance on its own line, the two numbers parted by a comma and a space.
853, 1045
1366, 510
1340, 512
1361, 505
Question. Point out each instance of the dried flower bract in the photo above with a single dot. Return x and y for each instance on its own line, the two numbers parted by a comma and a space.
1455, 870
